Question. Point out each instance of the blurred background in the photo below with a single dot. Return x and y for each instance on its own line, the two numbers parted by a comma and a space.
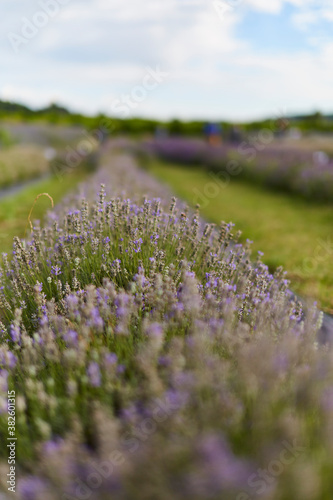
227, 101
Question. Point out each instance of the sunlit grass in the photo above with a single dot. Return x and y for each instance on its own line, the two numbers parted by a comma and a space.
14, 210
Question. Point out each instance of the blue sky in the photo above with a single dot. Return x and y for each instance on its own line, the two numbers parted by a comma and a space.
225, 59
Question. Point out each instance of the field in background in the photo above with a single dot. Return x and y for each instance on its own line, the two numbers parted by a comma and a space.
291, 232
47, 135
20, 163
312, 142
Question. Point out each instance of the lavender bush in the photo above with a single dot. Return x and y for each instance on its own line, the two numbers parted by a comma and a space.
297, 171
151, 359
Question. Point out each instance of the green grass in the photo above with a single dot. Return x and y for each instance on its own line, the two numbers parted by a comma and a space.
14, 210
290, 231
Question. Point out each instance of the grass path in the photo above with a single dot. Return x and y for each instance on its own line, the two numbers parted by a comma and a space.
15, 209
291, 232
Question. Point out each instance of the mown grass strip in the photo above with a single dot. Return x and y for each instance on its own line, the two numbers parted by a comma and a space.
14, 210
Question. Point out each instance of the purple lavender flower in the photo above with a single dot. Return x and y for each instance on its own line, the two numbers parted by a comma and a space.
137, 245
95, 320
44, 319
71, 338
31, 487
94, 374
15, 333
55, 270
111, 358
8, 359
154, 330
51, 447
72, 301
164, 361
3, 381
220, 469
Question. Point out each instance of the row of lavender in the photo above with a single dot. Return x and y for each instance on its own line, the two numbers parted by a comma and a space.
151, 359
302, 172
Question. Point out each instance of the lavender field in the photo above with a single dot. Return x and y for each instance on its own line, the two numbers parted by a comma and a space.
166, 278
154, 357
262, 161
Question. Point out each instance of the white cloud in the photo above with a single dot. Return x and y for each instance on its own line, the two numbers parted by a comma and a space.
306, 18
271, 6
275, 6
28, 95
328, 14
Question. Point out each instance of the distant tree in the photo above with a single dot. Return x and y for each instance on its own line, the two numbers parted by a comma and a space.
175, 127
